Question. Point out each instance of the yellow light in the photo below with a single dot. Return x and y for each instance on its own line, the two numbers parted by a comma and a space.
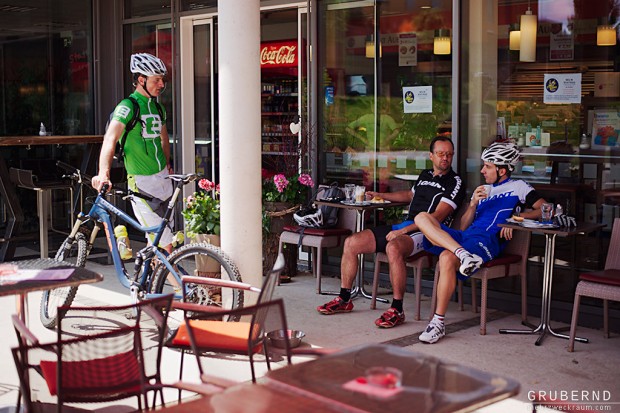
370, 49
529, 29
441, 44
606, 35
515, 38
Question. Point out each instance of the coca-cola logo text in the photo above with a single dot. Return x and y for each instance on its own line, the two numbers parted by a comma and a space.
278, 55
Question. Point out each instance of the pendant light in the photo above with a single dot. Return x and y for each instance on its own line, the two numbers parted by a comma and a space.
515, 37
606, 35
441, 44
529, 29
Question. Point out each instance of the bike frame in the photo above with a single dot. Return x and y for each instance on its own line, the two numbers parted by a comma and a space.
100, 212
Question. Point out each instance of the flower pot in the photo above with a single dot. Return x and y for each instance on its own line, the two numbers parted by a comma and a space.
207, 266
281, 214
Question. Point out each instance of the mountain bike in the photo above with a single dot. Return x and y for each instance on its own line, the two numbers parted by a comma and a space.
154, 271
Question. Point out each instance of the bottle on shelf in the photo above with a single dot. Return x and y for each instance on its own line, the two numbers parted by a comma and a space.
42, 131
122, 240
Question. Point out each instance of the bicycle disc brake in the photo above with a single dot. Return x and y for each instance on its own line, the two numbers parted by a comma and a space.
203, 296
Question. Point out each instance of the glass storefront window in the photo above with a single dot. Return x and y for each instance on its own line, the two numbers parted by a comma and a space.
154, 38
373, 133
45, 66
560, 104
142, 8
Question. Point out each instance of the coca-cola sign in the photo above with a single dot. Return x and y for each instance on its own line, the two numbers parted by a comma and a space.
278, 54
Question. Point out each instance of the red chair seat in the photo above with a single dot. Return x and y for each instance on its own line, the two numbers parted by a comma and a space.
504, 259
321, 232
419, 255
609, 277
97, 376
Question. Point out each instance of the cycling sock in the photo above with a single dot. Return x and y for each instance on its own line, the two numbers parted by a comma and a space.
345, 294
397, 304
461, 252
438, 318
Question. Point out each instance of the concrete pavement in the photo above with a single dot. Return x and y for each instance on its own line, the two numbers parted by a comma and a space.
592, 367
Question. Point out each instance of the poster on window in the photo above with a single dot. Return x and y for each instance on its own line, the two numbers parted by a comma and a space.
561, 44
605, 129
562, 88
418, 99
407, 49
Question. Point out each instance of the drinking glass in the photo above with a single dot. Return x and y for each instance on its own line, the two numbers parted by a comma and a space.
349, 192
384, 377
546, 213
360, 194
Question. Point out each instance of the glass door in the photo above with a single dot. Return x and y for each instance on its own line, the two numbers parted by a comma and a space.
199, 146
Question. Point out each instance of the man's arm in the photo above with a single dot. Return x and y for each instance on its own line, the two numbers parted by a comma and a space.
114, 132
399, 196
165, 145
536, 211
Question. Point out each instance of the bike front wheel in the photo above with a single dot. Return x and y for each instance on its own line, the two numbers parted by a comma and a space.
73, 251
189, 260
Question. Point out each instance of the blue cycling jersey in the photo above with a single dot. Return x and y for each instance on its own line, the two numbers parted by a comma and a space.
501, 203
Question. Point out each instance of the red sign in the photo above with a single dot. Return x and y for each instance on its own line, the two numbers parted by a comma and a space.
278, 54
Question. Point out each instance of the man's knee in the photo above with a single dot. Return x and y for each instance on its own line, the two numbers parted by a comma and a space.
354, 243
448, 261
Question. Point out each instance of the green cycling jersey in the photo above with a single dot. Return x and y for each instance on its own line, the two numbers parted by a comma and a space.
144, 154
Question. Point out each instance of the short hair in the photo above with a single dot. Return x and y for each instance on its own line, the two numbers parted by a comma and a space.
440, 138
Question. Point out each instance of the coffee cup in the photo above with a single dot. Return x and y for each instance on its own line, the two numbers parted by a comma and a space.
487, 189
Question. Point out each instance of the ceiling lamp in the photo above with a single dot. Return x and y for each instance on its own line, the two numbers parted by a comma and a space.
529, 29
606, 35
515, 37
441, 44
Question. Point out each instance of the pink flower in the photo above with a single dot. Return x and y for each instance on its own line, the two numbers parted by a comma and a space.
217, 188
281, 182
206, 184
306, 180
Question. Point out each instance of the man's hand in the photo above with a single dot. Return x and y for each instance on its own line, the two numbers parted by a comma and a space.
479, 193
395, 233
565, 220
100, 180
506, 233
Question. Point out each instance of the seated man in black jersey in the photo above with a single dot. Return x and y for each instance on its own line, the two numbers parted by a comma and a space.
438, 191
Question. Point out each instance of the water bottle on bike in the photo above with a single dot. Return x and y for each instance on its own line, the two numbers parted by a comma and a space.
123, 242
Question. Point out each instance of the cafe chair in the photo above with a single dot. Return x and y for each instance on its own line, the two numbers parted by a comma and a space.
600, 284
319, 238
209, 330
418, 262
511, 262
101, 354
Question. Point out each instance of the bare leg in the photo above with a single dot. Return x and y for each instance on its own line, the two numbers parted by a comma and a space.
359, 243
397, 251
448, 266
432, 231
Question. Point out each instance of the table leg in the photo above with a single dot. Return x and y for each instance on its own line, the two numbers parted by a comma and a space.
544, 327
359, 287
14, 212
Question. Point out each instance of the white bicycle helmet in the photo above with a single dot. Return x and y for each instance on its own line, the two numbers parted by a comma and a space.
147, 65
309, 218
502, 154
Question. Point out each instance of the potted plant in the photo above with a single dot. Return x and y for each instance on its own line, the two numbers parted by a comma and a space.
202, 221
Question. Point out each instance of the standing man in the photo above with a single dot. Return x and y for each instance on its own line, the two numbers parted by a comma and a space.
146, 147
438, 191
465, 251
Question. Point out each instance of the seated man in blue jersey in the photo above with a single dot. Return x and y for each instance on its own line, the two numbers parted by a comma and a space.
463, 252
438, 191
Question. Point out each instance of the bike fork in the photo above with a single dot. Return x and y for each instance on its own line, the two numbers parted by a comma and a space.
133, 294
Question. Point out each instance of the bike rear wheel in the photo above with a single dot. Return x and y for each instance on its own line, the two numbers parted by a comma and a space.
73, 251
186, 261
